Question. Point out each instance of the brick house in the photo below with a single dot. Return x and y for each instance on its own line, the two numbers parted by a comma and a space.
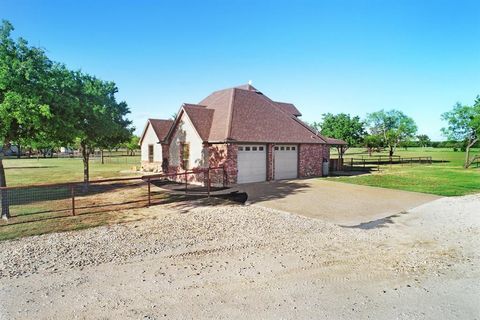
254, 137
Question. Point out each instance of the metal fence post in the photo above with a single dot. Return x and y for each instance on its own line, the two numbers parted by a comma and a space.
186, 182
72, 191
208, 182
149, 197
225, 176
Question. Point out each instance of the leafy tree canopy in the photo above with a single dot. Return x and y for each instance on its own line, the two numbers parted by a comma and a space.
394, 126
464, 125
43, 104
342, 126
423, 140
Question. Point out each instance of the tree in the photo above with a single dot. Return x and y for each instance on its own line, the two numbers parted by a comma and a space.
25, 112
100, 121
373, 142
394, 126
133, 144
464, 125
342, 126
43, 104
423, 140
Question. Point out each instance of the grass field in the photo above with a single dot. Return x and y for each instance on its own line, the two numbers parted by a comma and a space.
445, 179
35, 171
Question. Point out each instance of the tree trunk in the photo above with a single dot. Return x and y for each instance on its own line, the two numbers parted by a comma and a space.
391, 151
3, 194
467, 153
19, 151
101, 152
86, 157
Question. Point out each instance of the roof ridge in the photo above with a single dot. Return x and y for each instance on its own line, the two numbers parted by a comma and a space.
194, 105
230, 115
293, 117
149, 119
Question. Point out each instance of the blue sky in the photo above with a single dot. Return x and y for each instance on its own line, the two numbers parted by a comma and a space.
324, 56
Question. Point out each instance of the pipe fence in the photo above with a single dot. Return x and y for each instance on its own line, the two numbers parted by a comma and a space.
374, 163
47, 201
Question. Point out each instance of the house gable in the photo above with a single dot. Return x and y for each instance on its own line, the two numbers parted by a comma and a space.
184, 132
149, 137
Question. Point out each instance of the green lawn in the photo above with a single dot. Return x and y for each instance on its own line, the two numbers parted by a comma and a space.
32, 171
445, 179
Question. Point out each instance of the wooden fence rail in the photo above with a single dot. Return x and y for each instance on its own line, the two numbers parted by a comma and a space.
376, 162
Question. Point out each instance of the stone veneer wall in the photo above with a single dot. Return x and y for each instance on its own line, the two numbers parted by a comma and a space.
311, 158
155, 166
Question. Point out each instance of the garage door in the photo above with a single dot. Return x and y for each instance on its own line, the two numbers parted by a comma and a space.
252, 163
286, 158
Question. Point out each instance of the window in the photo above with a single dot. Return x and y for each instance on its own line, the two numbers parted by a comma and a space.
247, 148
240, 148
260, 148
282, 148
150, 153
254, 148
288, 148
293, 148
185, 156
276, 148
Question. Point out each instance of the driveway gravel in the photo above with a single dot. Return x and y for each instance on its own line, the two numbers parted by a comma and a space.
250, 262
331, 201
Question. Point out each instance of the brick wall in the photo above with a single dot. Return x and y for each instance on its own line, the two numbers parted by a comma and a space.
270, 162
310, 159
224, 155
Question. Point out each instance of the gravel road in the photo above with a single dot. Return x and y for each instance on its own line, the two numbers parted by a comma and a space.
250, 262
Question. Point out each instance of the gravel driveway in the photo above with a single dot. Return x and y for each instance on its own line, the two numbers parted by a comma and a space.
250, 262
336, 202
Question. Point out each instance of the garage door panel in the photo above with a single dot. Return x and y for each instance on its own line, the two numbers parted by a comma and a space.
286, 162
251, 163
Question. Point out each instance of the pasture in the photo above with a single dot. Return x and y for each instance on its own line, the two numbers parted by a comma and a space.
447, 178
20, 172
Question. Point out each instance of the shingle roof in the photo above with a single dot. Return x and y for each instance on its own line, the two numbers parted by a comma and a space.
201, 118
289, 108
333, 141
161, 127
244, 114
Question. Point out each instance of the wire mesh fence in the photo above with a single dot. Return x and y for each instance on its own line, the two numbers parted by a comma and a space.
39, 202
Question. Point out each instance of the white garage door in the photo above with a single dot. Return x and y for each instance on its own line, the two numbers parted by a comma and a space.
252, 163
286, 158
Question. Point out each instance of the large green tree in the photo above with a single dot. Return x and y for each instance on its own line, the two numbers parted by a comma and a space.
423, 140
394, 126
464, 125
342, 126
373, 142
100, 121
132, 145
25, 96
43, 104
